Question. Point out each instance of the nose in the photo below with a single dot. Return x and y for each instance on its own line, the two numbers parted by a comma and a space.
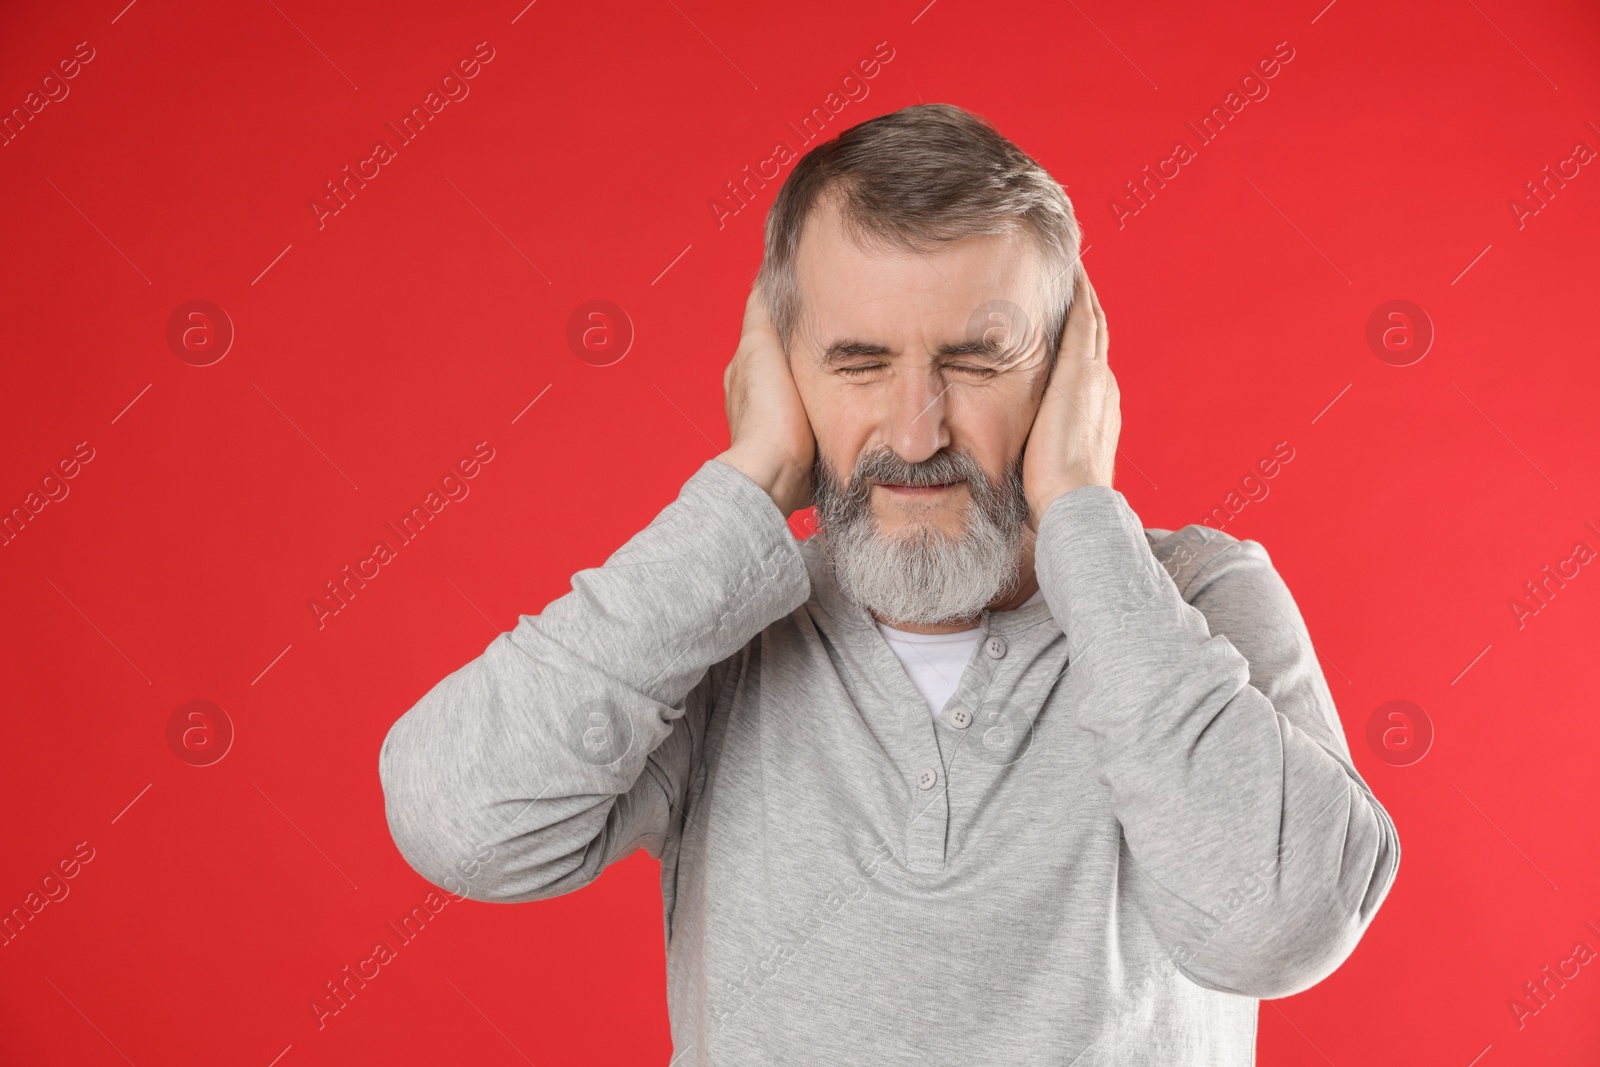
915, 421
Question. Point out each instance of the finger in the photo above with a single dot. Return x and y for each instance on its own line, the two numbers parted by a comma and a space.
1091, 310
1102, 337
1079, 331
1080, 288
757, 319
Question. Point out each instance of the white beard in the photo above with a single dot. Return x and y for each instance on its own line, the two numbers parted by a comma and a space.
921, 575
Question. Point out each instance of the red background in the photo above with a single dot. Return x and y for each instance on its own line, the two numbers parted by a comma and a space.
372, 353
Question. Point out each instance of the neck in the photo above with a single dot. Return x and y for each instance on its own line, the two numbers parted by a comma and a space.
1027, 585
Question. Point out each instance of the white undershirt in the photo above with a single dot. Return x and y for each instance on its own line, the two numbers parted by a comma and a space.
935, 662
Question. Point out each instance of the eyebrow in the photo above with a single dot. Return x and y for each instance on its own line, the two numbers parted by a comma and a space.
844, 349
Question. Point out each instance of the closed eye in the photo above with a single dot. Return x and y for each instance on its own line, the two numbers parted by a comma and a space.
861, 370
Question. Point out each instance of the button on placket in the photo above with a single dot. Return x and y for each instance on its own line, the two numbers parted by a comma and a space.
961, 718
928, 809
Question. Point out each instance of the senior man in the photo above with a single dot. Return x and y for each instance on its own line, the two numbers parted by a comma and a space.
984, 772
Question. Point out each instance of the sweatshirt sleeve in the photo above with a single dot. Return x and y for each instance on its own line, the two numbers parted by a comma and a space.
1265, 852
524, 773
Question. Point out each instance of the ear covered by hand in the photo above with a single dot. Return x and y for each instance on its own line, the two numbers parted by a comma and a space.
772, 441
1073, 441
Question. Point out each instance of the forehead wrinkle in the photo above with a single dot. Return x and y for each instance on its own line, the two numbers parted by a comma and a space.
999, 278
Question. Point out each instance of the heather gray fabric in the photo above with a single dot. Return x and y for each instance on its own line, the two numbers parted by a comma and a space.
1150, 820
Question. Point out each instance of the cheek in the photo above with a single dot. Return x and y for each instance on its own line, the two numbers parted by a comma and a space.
841, 420
993, 420
813, 391
991, 431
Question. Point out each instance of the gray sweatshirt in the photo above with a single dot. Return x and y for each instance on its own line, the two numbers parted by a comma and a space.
1136, 815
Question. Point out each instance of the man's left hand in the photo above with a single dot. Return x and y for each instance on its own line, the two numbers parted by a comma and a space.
1073, 441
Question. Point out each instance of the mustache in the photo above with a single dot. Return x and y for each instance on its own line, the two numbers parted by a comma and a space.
839, 504
944, 467
921, 574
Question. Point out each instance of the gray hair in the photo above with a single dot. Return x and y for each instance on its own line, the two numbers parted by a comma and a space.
913, 179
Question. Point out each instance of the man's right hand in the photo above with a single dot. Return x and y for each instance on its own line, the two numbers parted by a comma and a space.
772, 443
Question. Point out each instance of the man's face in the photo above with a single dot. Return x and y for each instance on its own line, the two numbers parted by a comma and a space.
920, 369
